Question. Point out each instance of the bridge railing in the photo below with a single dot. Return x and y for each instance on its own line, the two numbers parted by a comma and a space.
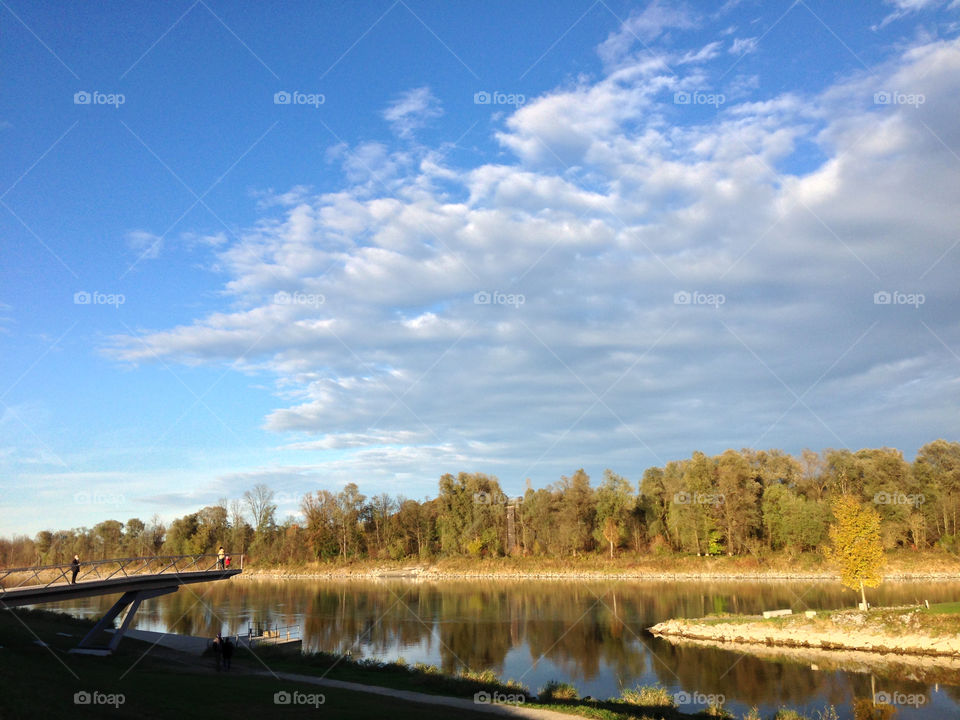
47, 575
272, 635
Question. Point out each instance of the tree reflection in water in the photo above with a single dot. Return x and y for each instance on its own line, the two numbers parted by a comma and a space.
591, 634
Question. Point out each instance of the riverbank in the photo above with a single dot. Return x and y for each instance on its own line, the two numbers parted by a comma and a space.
901, 566
43, 680
903, 633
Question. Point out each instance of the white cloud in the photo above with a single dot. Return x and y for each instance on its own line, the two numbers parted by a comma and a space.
617, 202
145, 245
910, 7
743, 46
412, 110
644, 28
293, 196
707, 52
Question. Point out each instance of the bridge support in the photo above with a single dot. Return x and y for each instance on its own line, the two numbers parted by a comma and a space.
132, 598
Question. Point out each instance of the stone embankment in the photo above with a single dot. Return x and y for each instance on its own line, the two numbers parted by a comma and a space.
900, 631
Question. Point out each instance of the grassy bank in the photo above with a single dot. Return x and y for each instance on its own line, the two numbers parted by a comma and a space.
40, 679
904, 631
901, 565
140, 682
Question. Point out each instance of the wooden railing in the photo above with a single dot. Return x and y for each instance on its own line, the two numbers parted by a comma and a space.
266, 635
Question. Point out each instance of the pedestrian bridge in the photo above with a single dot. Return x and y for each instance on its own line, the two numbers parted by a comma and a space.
138, 579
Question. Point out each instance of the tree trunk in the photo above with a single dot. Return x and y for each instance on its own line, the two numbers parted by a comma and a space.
863, 595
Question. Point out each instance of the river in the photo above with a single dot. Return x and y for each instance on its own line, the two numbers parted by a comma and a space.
588, 633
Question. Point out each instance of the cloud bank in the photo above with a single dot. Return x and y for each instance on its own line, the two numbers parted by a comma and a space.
657, 268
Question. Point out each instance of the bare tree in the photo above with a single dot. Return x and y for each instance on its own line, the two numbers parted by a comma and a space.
262, 508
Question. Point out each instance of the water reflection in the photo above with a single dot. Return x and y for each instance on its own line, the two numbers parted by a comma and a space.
591, 634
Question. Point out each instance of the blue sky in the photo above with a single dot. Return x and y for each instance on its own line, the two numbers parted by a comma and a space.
510, 238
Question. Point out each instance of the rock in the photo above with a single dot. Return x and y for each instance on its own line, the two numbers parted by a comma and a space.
776, 613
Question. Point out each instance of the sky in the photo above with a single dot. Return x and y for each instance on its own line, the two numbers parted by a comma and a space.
379, 242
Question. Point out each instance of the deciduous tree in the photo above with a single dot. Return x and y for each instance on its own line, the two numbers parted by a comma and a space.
855, 548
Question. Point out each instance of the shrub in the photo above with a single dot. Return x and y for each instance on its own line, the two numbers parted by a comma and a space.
482, 676
660, 547
426, 669
648, 695
555, 690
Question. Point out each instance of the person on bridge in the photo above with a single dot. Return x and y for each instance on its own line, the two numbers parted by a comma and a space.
220, 556
75, 566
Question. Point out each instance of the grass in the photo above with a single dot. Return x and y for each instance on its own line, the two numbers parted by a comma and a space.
948, 608
940, 620
555, 690
418, 677
159, 683
649, 695
42, 681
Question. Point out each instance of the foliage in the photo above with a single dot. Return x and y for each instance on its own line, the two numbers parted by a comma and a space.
741, 503
555, 690
649, 695
856, 549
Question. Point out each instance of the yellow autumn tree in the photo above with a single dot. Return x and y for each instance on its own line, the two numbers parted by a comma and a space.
856, 549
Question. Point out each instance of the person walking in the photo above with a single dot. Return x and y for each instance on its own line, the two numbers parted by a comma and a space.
220, 556
227, 651
75, 567
217, 649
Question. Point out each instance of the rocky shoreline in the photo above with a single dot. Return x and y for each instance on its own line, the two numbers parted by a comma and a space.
892, 631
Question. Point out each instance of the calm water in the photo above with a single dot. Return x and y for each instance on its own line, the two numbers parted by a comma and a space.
590, 634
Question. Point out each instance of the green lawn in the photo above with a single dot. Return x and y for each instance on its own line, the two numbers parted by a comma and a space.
949, 608
40, 682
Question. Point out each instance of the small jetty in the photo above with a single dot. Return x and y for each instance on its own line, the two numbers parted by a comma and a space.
285, 638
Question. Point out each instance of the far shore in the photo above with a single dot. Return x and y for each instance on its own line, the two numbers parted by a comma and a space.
901, 568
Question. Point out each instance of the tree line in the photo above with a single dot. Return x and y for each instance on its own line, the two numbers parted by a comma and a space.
747, 502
